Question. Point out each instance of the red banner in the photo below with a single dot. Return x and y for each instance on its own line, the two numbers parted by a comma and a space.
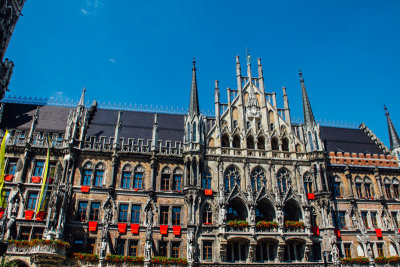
122, 228
164, 229
36, 179
315, 230
337, 233
135, 228
40, 215
85, 188
310, 196
8, 178
208, 192
1, 212
378, 232
28, 214
92, 226
176, 229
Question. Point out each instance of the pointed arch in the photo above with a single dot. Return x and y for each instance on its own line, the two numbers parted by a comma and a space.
285, 144
237, 210
274, 144
225, 140
236, 141
257, 178
283, 179
250, 142
292, 211
261, 142
265, 211
231, 177
207, 214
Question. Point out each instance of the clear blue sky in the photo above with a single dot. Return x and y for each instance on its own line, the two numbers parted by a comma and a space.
141, 52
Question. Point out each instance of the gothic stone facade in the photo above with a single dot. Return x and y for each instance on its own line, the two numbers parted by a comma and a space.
153, 172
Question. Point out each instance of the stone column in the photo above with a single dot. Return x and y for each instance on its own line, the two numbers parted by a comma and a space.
350, 180
379, 181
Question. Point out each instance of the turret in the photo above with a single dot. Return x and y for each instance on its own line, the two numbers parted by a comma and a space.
393, 136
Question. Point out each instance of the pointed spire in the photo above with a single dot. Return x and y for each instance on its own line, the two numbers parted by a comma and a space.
248, 59
307, 111
194, 99
82, 100
154, 139
393, 136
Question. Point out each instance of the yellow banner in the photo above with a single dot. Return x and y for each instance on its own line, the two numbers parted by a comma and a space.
44, 177
3, 163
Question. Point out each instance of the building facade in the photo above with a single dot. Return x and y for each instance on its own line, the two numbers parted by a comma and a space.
246, 186
10, 10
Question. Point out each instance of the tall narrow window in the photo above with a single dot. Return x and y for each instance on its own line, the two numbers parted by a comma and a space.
138, 179
206, 183
133, 248
359, 190
368, 192
257, 176
311, 141
177, 180
207, 250
32, 198
365, 219
336, 189
308, 184
87, 174
394, 217
164, 211
94, 211
207, 215
38, 168
283, 178
135, 214
388, 191
379, 248
82, 210
52, 170
120, 248
342, 219
347, 250
11, 167
396, 188
90, 245
123, 213
165, 179
98, 175
162, 248
316, 140
175, 249
126, 177
194, 132
373, 220
176, 215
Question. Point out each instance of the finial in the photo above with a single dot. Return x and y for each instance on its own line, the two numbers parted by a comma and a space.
386, 110
259, 61
237, 60
194, 63
216, 83
248, 57
301, 76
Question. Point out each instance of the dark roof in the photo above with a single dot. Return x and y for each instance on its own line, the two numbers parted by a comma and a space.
19, 116
348, 140
136, 125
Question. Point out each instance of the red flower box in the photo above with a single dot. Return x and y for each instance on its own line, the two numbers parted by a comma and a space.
208, 192
92, 226
28, 214
135, 228
122, 228
40, 215
85, 188
207, 223
176, 229
337, 233
315, 230
164, 229
8, 178
36, 179
310, 196
1, 212
378, 232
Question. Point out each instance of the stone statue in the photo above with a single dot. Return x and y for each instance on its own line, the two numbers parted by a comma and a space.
252, 215
335, 253
369, 251
279, 216
149, 217
307, 216
354, 221
222, 214
190, 248
147, 247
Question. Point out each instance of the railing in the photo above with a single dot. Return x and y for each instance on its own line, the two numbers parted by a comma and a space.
13, 249
237, 229
295, 230
266, 230
257, 153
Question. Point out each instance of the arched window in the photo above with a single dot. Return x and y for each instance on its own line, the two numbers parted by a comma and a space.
265, 211
274, 144
207, 215
308, 183
188, 132
231, 176
395, 188
177, 180
336, 187
369, 190
206, 182
87, 173
285, 144
126, 176
359, 187
311, 141
257, 177
194, 133
388, 190
99, 175
250, 142
261, 143
236, 141
316, 139
165, 179
138, 178
236, 211
225, 140
283, 178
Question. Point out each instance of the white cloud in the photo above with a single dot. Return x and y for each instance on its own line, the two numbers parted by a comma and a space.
84, 11
57, 95
113, 60
90, 6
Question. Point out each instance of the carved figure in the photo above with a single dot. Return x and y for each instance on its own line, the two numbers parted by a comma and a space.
222, 214
335, 253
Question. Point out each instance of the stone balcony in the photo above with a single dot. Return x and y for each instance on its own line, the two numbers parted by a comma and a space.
37, 255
